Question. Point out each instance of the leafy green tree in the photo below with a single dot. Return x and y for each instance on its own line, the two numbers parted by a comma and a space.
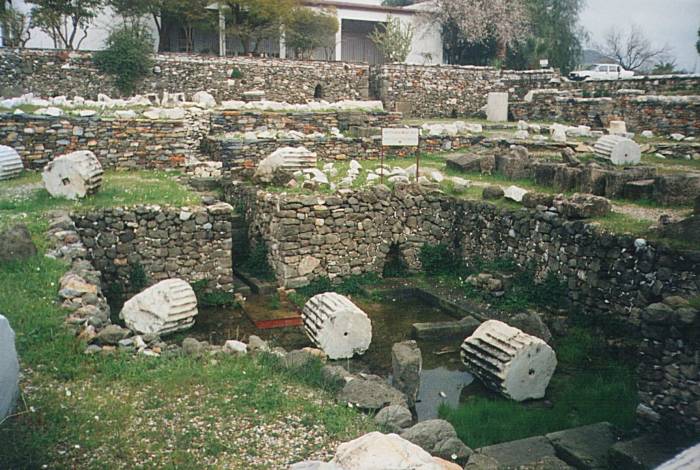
128, 56
664, 68
64, 20
15, 25
309, 29
253, 21
556, 34
189, 15
393, 39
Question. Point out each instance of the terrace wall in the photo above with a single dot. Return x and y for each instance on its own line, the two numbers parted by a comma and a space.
189, 243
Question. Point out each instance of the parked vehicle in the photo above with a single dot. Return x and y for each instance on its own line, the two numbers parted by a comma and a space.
601, 72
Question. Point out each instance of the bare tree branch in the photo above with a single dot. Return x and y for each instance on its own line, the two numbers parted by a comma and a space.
632, 49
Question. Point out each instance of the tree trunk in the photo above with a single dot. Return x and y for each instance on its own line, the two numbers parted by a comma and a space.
501, 50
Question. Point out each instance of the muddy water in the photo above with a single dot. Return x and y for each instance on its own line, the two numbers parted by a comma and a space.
443, 376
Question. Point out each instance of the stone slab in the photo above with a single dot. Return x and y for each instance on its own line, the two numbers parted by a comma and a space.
520, 452
642, 453
585, 447
9, 368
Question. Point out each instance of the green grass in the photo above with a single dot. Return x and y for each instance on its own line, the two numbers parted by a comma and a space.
588, 387
122, 411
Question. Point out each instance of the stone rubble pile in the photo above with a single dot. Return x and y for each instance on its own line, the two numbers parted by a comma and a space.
336, 325
163, 308
517, 365
450, 129
10, 163
73, 176
264, 105
287, 159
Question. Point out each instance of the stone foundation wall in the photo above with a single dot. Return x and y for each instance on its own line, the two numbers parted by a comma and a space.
188, 243
661, 114
352, 231
244, 121
444, 91
669, 372
118, 143
653, 84
53, 73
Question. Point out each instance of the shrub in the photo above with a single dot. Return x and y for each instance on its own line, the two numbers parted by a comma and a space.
438, 260
138, 279
254, 262
393, 39
128, 56
236, 73
207, 298
308, 30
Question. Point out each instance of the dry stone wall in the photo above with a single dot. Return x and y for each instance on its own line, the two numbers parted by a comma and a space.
167, 242
663, 115
652, 84
444, 91
669, 385
244, 121
52, 73
352, 232
117, 143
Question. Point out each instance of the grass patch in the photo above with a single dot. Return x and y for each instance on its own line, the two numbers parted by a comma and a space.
124, 411
589, 386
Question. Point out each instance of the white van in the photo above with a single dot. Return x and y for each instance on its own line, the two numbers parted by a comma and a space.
601, 72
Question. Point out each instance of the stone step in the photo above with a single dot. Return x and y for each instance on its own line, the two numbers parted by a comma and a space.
258, 286
521, 452
642, 453
585, 447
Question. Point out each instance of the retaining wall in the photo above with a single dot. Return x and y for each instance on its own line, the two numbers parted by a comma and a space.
189, 243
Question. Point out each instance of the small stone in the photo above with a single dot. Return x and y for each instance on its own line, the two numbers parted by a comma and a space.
394, 418
235, 347
112, 334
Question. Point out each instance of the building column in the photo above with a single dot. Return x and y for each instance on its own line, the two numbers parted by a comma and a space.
338, 41
222, 32
283, 45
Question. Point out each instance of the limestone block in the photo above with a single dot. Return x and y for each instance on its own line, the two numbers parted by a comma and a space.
407, 363
9, 368
619, 150
515, 364
204, 99
289, 159
73, 176
10, 163
514, 193
377, 451
336, 325
164, 308
497, 107
617, 128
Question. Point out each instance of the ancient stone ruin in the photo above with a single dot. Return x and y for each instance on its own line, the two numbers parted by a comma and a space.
73, 176
9, 368
515, 364
337, 326
164, 308
619, 150
10, 163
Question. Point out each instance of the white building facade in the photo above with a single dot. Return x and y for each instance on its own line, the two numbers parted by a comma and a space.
357, 19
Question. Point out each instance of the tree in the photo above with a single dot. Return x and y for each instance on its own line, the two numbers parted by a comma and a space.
127, 56
393, 39
556, 34
506, 22
15, 25
189, 14
697, 44
132, 11
253, 21
665, 68
632, 49
309, 29
63, 20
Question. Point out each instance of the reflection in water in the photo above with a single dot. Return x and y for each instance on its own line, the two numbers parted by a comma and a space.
439, 386
391, 323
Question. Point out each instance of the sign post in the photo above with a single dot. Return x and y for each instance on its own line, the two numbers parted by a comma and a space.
400, 137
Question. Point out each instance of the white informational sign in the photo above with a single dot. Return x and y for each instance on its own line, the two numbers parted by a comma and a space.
400, 137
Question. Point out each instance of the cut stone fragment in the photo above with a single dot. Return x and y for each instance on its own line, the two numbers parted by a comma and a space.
520, 452
497, 107
515, 193
513, 363
407, 363
586, 446
166, 307
617, 127
73, 176
337, 326
377, 451
619, 150
9, 369
10, 163
289, 159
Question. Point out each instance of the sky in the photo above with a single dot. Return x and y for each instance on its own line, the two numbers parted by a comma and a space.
672, 22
